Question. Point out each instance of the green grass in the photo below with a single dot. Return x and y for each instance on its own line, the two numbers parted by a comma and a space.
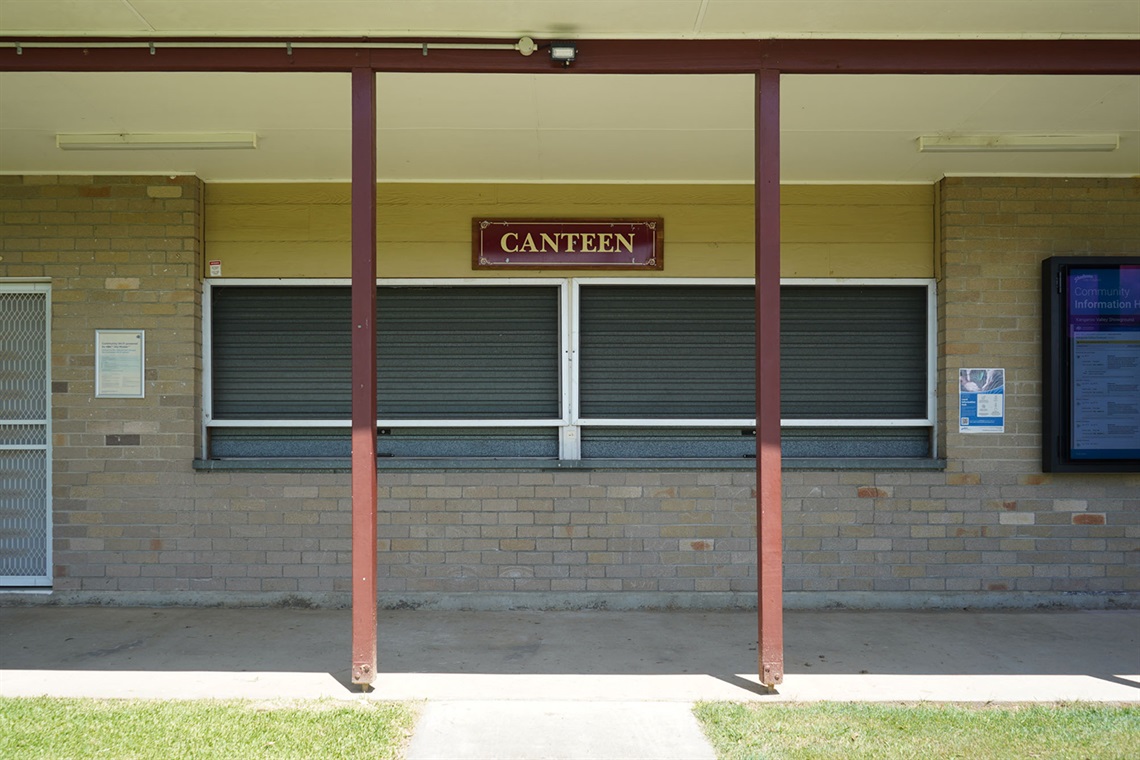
127, 729
852, 730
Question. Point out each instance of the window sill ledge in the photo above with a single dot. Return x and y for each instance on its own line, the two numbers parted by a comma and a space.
554, 465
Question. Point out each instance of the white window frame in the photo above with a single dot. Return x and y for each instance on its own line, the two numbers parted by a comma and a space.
570, 421
209, 421
931, 419
931, 354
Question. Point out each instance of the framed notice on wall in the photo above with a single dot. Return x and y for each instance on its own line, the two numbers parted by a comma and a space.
119, 359
1091, 364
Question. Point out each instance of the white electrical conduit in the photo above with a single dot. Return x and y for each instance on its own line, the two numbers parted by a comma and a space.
525, 45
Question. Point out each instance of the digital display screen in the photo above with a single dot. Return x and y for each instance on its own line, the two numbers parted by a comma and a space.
1102, 305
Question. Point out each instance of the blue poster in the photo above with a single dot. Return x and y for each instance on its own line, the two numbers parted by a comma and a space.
981, 401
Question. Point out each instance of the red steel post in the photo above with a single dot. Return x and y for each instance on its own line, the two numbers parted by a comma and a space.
769, 494
363, 376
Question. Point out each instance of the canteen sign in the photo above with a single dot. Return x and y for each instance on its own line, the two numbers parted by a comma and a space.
567, 244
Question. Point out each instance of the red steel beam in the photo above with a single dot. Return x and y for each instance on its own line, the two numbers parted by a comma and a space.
364, 493
953, 56
769, 494
1087, 57
595, 56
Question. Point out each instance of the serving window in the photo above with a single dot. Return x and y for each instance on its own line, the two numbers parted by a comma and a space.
569, 369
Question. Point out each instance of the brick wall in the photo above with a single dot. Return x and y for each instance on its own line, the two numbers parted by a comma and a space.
661, 535
991, 528
135, 522
1027, 531
121, 253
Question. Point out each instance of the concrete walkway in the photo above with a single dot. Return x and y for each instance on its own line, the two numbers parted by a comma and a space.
586, 684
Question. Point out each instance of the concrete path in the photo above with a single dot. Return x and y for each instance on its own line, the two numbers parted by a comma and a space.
558, 730
585, 684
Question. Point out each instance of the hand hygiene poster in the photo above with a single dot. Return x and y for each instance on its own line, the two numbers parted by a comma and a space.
981, 401
1104, 331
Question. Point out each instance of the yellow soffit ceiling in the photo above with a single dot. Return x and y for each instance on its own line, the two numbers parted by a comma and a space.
524, 128
678, 19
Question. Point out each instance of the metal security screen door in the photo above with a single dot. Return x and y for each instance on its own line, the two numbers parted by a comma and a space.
25, 436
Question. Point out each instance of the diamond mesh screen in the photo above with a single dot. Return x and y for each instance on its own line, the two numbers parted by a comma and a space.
23, 513
24, 450
23, 435
23, 370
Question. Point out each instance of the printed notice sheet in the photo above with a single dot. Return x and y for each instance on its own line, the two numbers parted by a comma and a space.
119, 359
981, 400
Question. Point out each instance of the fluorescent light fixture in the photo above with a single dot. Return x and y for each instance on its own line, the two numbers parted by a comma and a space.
158, 141
1017, 143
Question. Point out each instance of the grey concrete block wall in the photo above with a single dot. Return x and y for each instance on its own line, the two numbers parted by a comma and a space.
134, 521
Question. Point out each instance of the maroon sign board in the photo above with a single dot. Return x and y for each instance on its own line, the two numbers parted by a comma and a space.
567, 243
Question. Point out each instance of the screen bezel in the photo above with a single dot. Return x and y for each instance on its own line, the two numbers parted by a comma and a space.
1057, 368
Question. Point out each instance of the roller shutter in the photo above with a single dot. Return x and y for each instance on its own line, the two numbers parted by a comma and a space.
477, 352
846, 352
282, 353
853, 352
666, 351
